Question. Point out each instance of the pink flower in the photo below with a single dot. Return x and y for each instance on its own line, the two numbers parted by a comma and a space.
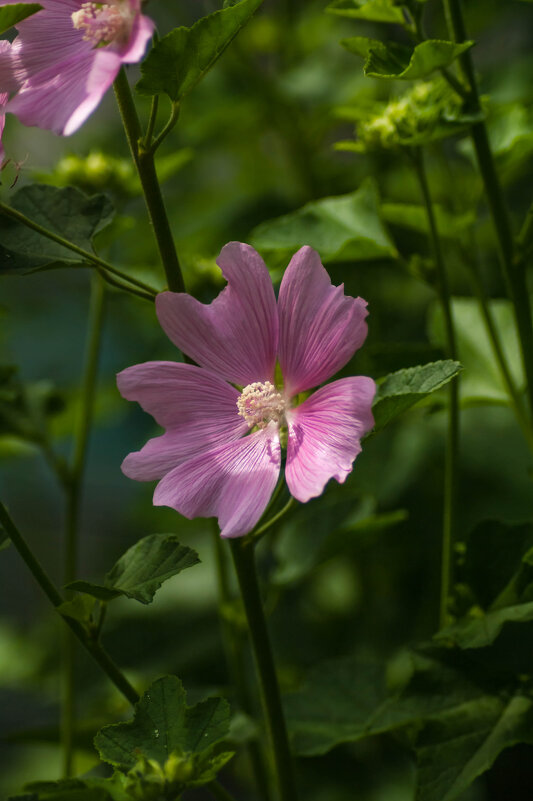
221, 454
67, 55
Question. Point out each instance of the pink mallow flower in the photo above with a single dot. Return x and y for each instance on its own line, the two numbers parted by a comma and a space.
67, 55
221, 453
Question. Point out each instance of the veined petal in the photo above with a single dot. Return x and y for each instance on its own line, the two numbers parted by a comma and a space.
141, 33
324, 435
62, 102
320, 327
236, 335
233, 482
198, 409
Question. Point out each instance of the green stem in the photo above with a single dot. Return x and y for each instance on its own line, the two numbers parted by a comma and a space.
73, 496
94, 648
512, 267
244, 560
219, 792
235, 658
172, 120
258, 533
452, 445
144, 161
150, 297
92, 258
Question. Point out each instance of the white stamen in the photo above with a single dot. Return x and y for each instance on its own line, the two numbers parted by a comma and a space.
104, 23
260, 403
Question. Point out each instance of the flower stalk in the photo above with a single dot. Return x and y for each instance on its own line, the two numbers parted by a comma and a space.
512, 266
144, 161
452, 445
243, 553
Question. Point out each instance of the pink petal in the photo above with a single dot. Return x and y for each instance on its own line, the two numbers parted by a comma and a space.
325, 433
198, 409
233, 482
236, 335
320, 327
141, 33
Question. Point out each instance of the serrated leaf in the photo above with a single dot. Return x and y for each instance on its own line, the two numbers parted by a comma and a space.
344, 228
399, 391
163, 724
393, 60
10, 15
482, 381
139, 573
181, 58
65, 211
372, 10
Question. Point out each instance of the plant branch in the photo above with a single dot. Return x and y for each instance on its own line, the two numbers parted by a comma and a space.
144, 161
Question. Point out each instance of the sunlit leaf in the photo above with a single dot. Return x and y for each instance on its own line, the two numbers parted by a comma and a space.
393, 60
344, 228
399, 391
371, 10
10, 15
142, 569
180, 59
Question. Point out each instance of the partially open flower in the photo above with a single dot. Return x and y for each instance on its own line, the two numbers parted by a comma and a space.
224, 420
67, 55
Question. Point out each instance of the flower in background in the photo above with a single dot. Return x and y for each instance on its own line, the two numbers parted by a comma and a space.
221, 452
67, 55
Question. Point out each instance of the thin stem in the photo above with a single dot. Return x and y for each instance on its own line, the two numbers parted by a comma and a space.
258, 533
172, 120
93, 647
452, 444
144, 161
512, 267
219, 792
150, 297
151, 122
73, 497
232, 637
244, 560
92, 258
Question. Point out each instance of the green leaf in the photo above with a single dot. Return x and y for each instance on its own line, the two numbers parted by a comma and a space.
92, 789
482, 629
139, 573
482, 381
344, 228
65, 211
399, 391
163, 725
10, 15
457, 747
398, 61
181, 59
414, 217
372, 10
79, 608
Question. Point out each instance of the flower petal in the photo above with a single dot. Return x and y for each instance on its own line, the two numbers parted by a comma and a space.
320, 327
198, 409
325, 433
233, 482
236, 336
141, 33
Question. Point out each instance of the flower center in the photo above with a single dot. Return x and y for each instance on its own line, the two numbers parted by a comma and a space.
104, 23
260, 403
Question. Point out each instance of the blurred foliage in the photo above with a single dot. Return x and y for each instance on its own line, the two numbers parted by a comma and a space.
352, 577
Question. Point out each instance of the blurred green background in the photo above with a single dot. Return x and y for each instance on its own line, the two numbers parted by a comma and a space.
255, 141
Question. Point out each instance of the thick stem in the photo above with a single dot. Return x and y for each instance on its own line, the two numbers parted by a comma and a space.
236, 664
452, 444
98, 653
144, 161
244, 560
73, 496
512, 267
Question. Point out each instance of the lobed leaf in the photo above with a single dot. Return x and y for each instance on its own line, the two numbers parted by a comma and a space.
399, 391
393, 60
164, 724
343, 228
139, 573
65, 211
180, 60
